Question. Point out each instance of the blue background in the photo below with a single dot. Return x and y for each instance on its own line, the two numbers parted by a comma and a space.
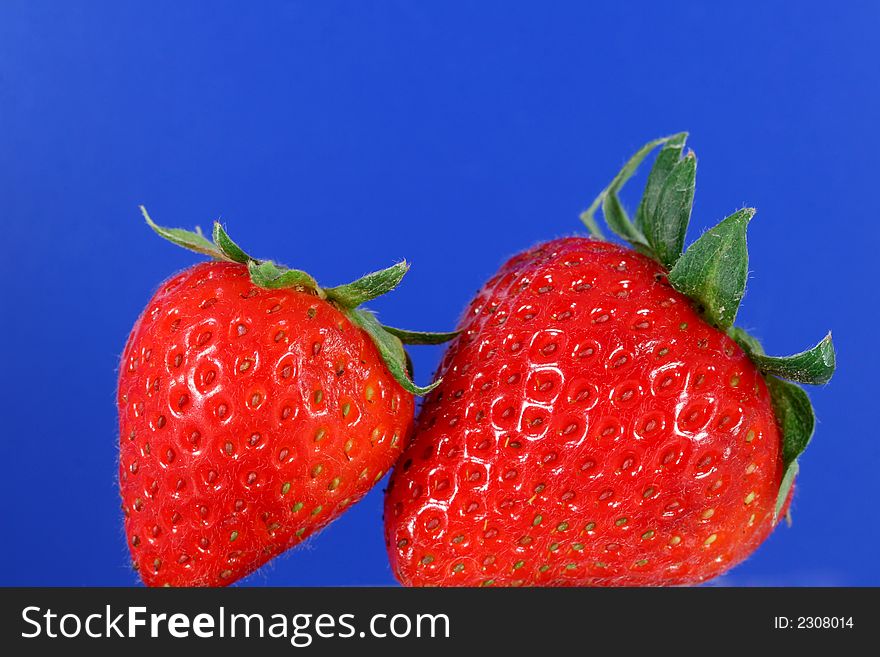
340, 136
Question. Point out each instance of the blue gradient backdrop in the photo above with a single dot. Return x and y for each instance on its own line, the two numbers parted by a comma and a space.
340, 136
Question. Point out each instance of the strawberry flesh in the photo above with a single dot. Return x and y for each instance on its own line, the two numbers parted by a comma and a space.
591, 429
249, 419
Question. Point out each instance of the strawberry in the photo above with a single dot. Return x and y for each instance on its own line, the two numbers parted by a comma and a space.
600, 422
254, 408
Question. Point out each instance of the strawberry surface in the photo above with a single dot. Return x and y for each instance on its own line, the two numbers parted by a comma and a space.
591, 429
600, 421
249, 419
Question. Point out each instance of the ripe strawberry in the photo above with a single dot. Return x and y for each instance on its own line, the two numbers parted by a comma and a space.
254, 407
599, 421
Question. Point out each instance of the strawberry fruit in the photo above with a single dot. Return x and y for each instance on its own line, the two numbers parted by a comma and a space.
254, 407
600, 422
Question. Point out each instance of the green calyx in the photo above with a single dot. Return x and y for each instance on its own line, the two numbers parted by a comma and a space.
712, 272
347, 298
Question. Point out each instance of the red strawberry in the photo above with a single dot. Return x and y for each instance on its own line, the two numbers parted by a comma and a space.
254, 407
599, 421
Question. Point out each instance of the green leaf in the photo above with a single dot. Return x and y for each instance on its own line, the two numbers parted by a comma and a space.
714, 269
229, 248
749, 343
667, 226
794, 413
785, 488
619, 222
390, 348
588, 218
613, 211
814, 366
796, 420
420, 337
194, 241
666, 160
369, 287
269, 275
